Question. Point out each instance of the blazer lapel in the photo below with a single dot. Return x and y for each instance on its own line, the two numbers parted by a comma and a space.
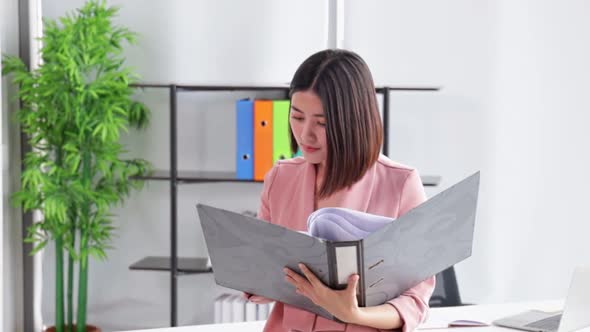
307, 195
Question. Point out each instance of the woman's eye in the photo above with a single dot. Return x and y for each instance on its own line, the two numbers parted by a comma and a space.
297, 118
321, 124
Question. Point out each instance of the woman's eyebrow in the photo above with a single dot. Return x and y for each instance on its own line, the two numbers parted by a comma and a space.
319, 115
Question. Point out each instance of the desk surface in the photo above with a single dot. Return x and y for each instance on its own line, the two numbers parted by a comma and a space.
438, 319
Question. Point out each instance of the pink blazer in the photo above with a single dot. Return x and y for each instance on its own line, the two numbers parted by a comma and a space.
387, 189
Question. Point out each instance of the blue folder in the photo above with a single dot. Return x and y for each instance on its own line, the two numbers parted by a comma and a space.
245, 139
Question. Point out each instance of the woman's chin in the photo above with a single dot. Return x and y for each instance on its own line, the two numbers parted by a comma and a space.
312, 159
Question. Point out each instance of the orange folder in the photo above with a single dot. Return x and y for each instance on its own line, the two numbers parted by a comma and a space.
262, 138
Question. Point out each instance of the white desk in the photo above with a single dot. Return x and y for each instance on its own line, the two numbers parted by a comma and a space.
437, 320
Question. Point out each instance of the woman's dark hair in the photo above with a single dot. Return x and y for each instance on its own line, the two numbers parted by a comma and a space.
354, 132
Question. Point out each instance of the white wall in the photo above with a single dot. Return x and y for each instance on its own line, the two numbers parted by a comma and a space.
225, 41
513, 78
2, 158
513, 105
447, 44
540, 105
10, 232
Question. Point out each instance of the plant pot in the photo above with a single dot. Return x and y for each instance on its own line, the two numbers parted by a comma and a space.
89, 328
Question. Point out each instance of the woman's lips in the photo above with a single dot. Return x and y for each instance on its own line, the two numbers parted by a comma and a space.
308, 148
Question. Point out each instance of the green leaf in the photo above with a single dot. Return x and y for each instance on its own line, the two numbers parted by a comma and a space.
38, 247
97, 253
77, 103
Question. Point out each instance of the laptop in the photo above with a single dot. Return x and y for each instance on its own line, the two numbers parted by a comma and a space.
573, 317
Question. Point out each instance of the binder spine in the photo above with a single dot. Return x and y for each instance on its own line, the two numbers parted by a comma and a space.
245, 139
361, 297
332, 267
281, 143
346, 258
263, 126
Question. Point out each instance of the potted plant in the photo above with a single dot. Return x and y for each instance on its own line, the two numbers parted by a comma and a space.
74, 107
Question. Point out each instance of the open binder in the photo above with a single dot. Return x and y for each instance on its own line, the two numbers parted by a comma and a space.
249, 254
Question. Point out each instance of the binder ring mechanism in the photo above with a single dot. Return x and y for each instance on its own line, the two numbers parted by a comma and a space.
380, 279
374, 265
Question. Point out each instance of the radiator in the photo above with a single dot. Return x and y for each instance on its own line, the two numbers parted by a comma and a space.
230, 308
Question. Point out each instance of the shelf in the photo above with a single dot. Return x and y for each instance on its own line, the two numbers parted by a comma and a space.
243, 87
216, 87
185, 265
381, 89
200, 265
267, 87
202, 177
197, 177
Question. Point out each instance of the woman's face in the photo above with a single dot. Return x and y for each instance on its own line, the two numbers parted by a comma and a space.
309, 125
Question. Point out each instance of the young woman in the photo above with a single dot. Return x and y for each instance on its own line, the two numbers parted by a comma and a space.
335, 121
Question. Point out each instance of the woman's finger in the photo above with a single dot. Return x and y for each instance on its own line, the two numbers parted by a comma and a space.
295, 276
301, 284
290, 280
353, 281
260, 299
310, 276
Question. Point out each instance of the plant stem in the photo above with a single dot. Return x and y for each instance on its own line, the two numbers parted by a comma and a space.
59, 285
70, 294
82, 286
59, 263
84, 230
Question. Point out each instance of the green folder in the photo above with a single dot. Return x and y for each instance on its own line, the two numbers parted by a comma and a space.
281, 147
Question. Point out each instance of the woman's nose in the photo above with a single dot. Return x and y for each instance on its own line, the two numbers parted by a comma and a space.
307, 134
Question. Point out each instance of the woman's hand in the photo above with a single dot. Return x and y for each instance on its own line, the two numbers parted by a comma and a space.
340, 303
257, 299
